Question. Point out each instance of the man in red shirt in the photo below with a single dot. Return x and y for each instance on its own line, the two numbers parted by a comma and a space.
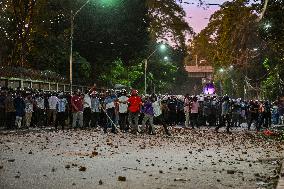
77, 109
135, 103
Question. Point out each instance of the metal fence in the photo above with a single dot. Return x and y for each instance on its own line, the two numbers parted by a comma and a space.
15, 83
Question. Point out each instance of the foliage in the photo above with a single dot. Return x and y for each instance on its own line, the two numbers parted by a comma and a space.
36, 34
167, 22
271, 30
120, 74
235, 37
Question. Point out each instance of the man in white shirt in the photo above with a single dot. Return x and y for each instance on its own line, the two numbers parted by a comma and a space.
61, 111
39, 111
122, 108
87, 110
159, 114
52, 102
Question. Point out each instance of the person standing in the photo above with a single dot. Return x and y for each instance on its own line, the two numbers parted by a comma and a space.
135, 103
61, 111
148, 111
77, 109
20, 110
39, 101
29, 109
52, 102
10, 111
253, 114
187, 110
160, 113
225, 115
194, 112
95, 108
87, 110
109, 107
2, 107
267, 114
122, 108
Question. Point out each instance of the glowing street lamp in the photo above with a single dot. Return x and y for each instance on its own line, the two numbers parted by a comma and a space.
221, 70
162, 47
166, 58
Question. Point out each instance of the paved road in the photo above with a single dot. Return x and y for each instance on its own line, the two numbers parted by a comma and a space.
190, 159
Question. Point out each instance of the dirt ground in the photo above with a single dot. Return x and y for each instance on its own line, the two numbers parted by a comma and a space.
191, 159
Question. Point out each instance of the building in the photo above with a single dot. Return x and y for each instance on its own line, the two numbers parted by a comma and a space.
199, 76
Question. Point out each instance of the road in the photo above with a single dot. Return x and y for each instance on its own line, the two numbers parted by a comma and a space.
191, 159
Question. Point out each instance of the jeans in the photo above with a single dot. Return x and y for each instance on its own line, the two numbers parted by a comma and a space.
194, 119
95, 119
87, 117
110, 120
123, 121
149, 118
51, 113
77, 116
161, 119
18, 121
133, 116
186, 124
61, 117
28, 118
10, 120
225, 121
39, 117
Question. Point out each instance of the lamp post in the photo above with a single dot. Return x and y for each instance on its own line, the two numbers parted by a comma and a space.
73, 15
162, 47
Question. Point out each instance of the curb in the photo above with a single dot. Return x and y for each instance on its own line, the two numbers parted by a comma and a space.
280, 184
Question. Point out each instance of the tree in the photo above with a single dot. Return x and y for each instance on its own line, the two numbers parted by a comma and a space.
167, 22
232, 39
271, 30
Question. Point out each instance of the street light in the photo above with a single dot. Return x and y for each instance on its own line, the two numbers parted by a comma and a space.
73, 15
162, 47
166, 58
72, 18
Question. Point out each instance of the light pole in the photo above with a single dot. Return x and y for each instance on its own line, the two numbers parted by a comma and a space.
162, 47
73, 15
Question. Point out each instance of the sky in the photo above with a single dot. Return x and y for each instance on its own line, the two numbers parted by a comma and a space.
198, 17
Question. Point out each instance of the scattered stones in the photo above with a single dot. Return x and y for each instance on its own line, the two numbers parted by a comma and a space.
30, 152
82, 168
95, 153
11, 160
67, 166
121, 178
179, 179
160, 171
1, 166
230, 171
100, 182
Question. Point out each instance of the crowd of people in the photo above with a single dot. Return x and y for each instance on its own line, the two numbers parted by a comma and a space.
131, 112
